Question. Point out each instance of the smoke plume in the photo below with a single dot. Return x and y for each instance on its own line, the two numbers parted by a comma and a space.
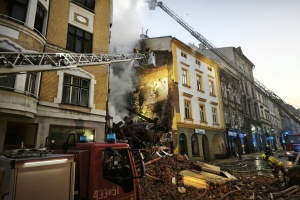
125, 34
127, 26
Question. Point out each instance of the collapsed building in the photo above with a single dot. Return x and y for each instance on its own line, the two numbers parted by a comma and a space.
178, 102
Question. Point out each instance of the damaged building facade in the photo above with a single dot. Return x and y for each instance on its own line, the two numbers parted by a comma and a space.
183, 91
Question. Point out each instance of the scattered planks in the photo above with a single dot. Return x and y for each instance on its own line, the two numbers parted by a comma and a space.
201, 179
286, 192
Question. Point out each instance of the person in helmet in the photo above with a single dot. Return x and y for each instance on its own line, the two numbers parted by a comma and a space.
275, 165
268, 151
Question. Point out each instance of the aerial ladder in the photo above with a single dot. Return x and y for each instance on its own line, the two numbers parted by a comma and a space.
153, 3
23, 62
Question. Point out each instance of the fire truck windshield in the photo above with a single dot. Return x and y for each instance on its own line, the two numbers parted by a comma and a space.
117, 168
295, 139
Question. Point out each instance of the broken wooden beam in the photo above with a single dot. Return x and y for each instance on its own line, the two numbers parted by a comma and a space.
290, 190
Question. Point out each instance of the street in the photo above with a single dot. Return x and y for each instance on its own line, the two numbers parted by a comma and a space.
252, 163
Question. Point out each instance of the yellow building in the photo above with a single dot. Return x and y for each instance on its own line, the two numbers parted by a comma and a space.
38, 106
184, 91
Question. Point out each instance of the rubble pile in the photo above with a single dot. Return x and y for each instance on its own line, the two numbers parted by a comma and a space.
159, 183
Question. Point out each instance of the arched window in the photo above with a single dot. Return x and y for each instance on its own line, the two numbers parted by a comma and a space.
195, 145
183, 144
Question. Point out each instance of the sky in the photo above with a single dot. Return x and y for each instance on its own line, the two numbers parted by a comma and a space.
268, 31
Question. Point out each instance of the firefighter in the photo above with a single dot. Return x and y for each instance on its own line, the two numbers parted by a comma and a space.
275, 165
268, 151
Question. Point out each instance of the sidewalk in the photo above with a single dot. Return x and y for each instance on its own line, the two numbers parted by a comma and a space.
245, 157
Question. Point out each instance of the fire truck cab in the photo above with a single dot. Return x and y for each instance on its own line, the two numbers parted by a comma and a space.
107, 171
88, 171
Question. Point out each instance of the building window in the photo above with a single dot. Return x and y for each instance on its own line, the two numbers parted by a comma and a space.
214, 115
90, 4
39, 19
79, 41
184, 77
183, 55
264, 100
262, 113
7, 82
195, 145
187, 109
30, 82
202, 113
226, 116
211, 87
199, 83
267, 115
75, 90
209, 68
233, 117
18, 9
198, 62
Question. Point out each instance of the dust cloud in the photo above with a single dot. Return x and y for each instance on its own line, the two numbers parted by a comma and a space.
125, 35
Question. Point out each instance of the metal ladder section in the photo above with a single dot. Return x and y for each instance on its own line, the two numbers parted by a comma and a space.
211, 47
293, 113
12, 62
202, 39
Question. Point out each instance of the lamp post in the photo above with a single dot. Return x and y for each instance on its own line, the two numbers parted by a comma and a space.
238, 141
110, 136
110, 121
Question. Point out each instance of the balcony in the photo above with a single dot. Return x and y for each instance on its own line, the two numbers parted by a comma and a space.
17, 37
17, 104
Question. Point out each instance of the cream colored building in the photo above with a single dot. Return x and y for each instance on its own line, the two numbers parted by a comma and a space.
188, 95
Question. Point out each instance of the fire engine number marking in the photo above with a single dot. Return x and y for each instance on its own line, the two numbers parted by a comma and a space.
106, 192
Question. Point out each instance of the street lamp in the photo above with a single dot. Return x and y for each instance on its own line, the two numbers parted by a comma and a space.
109, 123
238, 141
110, 137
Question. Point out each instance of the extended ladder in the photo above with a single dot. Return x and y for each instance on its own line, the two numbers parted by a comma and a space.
12, 63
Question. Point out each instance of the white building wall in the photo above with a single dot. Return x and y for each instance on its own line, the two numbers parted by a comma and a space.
206, 76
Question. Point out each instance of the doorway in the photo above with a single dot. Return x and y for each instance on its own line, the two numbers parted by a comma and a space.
205, 148
183, 144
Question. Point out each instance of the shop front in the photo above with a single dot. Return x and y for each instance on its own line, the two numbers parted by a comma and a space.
236, 139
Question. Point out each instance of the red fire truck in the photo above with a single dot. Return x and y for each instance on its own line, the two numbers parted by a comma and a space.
292, 144
88, 171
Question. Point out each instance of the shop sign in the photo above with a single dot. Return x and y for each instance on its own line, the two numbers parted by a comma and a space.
199, 131
232, 133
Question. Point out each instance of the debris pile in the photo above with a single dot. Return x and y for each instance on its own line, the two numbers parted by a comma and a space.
165, 181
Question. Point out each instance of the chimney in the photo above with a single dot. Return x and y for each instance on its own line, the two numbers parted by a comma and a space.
201, 47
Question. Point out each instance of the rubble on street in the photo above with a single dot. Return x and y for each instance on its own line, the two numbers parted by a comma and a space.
165, 179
